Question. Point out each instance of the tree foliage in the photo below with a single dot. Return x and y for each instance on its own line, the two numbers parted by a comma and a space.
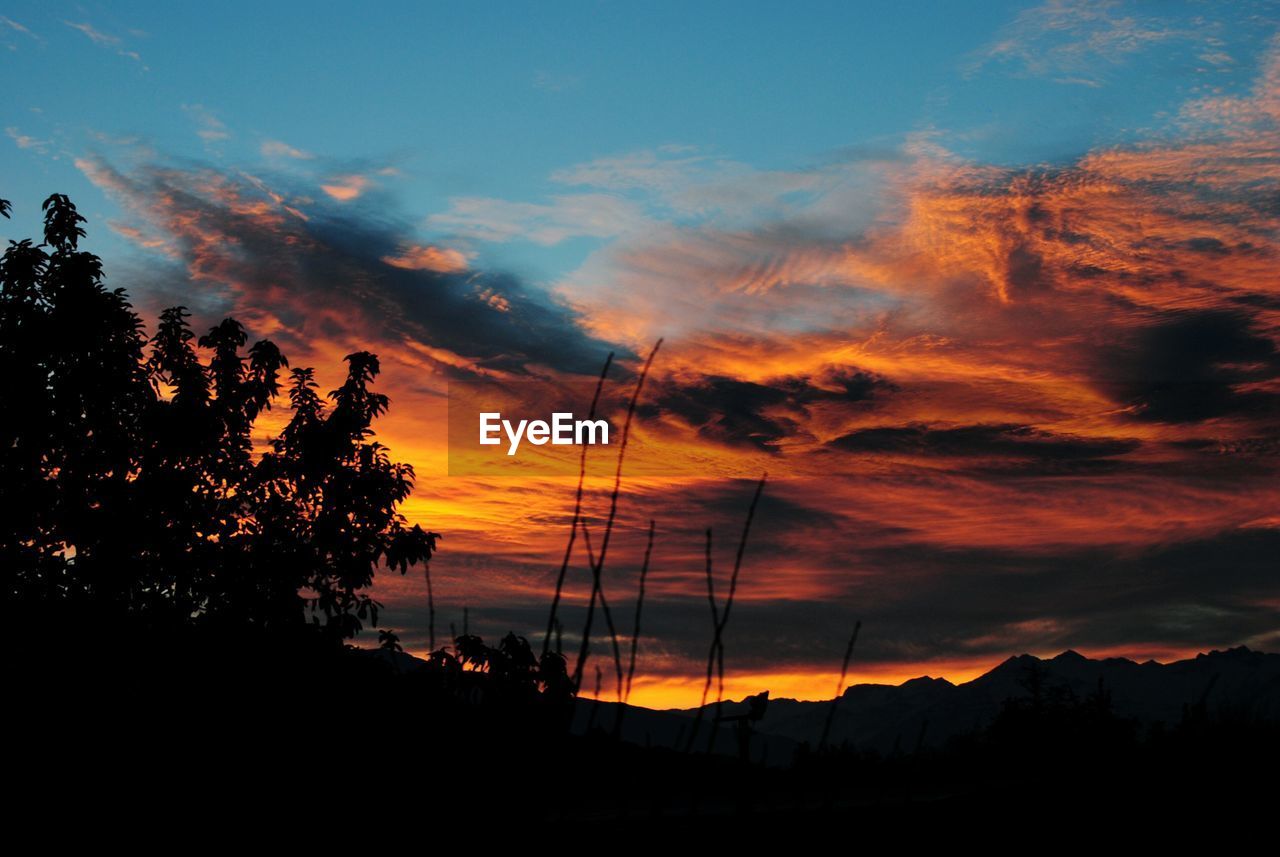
131, 482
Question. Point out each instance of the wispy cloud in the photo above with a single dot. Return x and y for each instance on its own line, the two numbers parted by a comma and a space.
278, 149
23, 141
1242, 116
12, 26
1077, 41
209, 127
683, 181
96, 36
637, 192
660, 171
562, 218
106, 40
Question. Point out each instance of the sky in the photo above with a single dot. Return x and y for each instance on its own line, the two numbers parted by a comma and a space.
989, 290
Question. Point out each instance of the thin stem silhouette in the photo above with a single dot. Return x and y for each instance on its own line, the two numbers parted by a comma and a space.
595, 703
608, 614
844, 673
635, 634
715, 623
577, 512
720, 618
733, 590
431, 611
586, 543
715, 620
597, 567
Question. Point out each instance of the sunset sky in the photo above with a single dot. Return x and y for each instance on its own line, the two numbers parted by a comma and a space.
990, 290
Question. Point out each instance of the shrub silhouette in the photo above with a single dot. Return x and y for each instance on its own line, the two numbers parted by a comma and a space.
131, 485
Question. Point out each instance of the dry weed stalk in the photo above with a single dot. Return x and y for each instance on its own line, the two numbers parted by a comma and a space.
844, 673
597, 567
635, 634
577, 512
720, 618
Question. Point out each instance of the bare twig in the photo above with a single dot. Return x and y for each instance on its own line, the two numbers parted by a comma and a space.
431, 609
597, 568
728, 605
720, 618
608, 614
586, 542
577, 512
635, 634
715, 624
711, 599
733, 590
613, 636
844, 673
595, 703
742, 547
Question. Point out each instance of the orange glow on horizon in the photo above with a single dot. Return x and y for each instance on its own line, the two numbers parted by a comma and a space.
685, 692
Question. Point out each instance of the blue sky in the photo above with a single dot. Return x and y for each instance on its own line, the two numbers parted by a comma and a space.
491, 100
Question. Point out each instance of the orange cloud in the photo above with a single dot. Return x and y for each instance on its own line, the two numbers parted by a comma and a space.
346, 188
428, 258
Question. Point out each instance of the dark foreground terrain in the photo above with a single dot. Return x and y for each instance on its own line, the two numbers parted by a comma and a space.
205, 730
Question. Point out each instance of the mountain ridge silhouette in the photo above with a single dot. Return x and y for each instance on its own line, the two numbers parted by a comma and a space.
930, 710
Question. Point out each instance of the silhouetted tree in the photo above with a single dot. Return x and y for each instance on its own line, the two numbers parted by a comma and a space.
76, 399
389, 640
131, 484
472, 652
